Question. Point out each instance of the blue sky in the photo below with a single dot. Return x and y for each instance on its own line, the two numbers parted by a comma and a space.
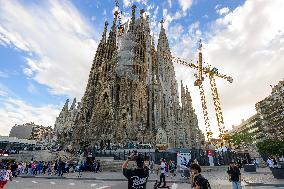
46, 50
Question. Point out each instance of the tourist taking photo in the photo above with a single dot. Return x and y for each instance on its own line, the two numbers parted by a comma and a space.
138, 177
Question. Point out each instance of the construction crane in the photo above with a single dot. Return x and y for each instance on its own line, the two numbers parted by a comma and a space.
211, 73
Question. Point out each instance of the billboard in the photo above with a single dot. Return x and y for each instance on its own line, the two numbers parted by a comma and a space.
183, 159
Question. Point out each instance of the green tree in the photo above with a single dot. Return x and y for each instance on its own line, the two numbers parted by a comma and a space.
241, 140
271, 147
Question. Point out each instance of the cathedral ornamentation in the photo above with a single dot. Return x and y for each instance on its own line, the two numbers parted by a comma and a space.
131, 95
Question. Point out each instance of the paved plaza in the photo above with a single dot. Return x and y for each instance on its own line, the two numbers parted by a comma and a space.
262, 179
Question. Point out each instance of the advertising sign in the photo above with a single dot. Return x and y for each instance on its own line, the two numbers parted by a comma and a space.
183, 159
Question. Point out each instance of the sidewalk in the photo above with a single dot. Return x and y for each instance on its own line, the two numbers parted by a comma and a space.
263, 177
105, 176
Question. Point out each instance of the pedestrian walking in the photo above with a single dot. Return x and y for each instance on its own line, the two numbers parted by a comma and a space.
172, 168
79, 167
138, 177
234, 176
5, 175
14, 169
197, 180
98, 166
29, 167
61, 166
39, 167
33, 168
95, 165
275, 163
270, 163
162, 174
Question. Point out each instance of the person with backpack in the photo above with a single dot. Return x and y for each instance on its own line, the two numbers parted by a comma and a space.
234, 176
197, 180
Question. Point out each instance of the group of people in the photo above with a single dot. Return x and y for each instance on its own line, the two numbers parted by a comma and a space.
38, 167
274, 162
138, 177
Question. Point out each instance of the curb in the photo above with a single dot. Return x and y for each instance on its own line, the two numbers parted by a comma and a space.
262, 184
103, 179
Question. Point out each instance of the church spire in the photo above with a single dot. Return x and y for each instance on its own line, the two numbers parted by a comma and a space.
73, 105
111, 41
101, 49
105, 32
65, 107
182, 91
132, 18
163, 43
188, 96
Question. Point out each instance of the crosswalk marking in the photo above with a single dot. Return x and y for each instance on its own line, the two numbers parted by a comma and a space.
72, 184
174, 186
52, 182
16, 181
103, 187
93, 185
34, 182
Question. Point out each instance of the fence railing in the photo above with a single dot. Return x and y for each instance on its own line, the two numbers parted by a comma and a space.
219, 158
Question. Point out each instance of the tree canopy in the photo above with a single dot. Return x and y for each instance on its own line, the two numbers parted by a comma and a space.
271, 147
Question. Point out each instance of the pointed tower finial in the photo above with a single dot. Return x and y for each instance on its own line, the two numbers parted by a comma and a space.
132, 18
116, 13
133, 13
73, 105
200, 45
65, 107
142, 11
105, 32
162, 22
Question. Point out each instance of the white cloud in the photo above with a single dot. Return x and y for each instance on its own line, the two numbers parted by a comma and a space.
168, 17
128, 3
14, 111
3, 93
3, 74
205, 16
185, 4
93, 18
223, 10
58, 38
32, 89
175, 31
246, 44
170, 3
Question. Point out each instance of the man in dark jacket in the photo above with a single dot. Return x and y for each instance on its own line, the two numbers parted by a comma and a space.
234, 176
61, 166
137, 178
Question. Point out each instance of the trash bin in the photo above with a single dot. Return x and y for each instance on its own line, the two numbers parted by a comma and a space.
278, 173
249, 168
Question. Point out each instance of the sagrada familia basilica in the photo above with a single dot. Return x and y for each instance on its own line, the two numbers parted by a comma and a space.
131, 95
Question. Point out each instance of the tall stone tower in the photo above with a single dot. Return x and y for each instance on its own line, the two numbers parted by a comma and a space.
132, 94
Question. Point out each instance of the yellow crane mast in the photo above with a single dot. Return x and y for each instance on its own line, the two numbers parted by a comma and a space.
211, 73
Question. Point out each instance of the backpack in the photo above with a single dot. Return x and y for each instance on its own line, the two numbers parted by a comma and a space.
204, 183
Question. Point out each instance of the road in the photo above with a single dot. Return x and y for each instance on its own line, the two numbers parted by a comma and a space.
44, 183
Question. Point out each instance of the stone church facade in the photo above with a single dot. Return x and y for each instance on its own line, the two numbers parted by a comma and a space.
131, 95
